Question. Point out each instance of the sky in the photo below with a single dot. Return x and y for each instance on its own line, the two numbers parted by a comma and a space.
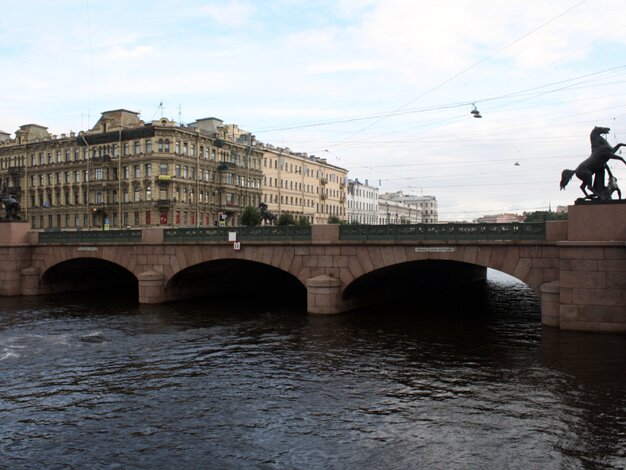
382, 88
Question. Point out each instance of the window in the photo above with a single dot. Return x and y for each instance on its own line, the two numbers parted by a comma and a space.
177, 171
148, 169
167, 145
148, 193
125, 172
136, 171
137, 149
163, 168
148, 146
137, 195
98, 174
126, 149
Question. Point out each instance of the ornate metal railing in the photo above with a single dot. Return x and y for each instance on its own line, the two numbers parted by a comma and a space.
91, 236
504, 231
266, 233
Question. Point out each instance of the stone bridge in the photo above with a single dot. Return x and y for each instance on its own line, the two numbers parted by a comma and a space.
576, 267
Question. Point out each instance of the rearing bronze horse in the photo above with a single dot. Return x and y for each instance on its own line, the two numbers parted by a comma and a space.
594, 165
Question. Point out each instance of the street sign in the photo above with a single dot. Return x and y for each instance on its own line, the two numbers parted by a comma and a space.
237, 246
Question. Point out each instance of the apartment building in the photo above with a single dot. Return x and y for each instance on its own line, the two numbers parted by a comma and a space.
362, 203
127, 173
302, 185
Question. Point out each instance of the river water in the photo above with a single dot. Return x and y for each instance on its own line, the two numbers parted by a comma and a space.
468, 381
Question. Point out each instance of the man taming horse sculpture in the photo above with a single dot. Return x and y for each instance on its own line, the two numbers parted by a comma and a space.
11, 206
591, 171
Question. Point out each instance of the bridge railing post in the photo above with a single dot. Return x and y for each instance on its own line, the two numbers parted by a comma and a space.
152, 235
325, 233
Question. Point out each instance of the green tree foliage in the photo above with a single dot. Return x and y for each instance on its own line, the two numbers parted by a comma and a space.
303, 221
251, 217
286, 219
542, 216
333, 219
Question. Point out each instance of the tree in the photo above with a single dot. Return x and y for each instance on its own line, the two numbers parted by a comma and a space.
286, 219
303, 221
542, 216
333, 219
251, 217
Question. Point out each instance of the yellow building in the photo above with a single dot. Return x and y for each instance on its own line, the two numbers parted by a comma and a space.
302, 185
127, 173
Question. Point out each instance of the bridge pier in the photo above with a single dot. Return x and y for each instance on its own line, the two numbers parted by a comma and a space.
151, 287
324, 296
29, 280
550, 303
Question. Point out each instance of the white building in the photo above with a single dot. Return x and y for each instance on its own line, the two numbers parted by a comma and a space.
391, 211
362, 203
427, 205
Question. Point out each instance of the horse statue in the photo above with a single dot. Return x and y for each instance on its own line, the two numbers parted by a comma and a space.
11, 206
268, 217
591, 171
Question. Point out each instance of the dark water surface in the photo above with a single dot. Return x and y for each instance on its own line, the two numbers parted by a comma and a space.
475, 383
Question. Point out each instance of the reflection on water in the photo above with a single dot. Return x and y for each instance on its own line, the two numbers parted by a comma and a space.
472, 382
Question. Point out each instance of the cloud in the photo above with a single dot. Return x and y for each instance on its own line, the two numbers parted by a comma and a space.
233, 13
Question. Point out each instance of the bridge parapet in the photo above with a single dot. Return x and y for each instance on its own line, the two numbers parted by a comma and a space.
443, 232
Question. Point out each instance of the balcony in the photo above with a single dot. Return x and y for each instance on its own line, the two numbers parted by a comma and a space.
226, 166
323, 180
323, 196
164, 203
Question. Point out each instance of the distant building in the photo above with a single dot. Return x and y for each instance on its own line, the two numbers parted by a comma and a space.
427, 205
392, 211
500, 219
362, 202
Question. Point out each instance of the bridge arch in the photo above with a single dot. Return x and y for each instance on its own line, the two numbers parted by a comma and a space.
87, 273
530, 264
240, 277
411, 278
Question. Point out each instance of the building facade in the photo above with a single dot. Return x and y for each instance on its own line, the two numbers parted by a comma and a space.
391, 211
127, 173
426, 204
302, 185
362, 203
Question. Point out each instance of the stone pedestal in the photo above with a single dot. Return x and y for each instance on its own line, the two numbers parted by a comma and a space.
151, 287
592, 287
14, 233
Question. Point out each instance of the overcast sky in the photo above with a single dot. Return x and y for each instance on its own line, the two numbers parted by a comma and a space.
383, 88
